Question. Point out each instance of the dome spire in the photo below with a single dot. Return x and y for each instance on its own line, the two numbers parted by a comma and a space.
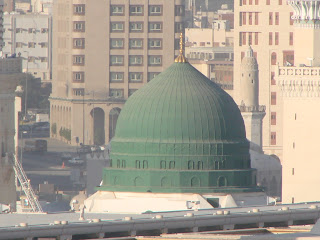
181, 58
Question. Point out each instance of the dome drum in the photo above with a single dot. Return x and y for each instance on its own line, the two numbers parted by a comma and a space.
177, 181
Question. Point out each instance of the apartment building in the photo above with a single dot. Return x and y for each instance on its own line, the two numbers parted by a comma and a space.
267, 26
30, 36
103, 52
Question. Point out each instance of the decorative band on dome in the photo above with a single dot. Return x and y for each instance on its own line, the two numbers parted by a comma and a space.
181, 58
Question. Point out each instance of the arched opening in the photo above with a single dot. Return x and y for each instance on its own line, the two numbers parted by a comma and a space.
138, 181
165, 182
113, 118
195, 182
222, 182
97, 117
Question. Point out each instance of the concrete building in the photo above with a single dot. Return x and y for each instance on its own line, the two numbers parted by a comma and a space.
299, 85
42, 6
30, 35
95, 69
268, 28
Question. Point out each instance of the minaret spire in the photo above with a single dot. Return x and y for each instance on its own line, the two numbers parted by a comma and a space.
181, 58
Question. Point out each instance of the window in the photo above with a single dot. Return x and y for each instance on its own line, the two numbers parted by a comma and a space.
273, 58
135, 77
43, 59
172, 165
256, 38
78, 43
244, 38
190, 165
267, 2
273, 118
178, 27
280, 2
155, 44
78, 91
250, 38
18, 30
116, 60
79, 9
136, 10
276, 38
152, 75
131, 91
273, 81
277, 18
135, 43
291, 38
163, 165
78, 77
256, 2
78, 60
155, 27
136, 27
256, 18
145, 164
118, 163
31, 30
116, 93
179, 10
270, 18
273, 98
19, 44
270, 38
31, 45
117, 27
116, 43
288, 58
78, 26
44, 30
117, 10
31, 59
292, 171
135, 60
155, 10
116, 77
244, 18
138, 164
273, 138
291, 18
154, 60
250, 18
44, 45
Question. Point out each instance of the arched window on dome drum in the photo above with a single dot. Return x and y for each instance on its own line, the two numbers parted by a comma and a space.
138, 164
163, 165
123, 164
195, 182
200, 165
118, 163
190, 165
172, 165
216, 165
222, 182
145, 164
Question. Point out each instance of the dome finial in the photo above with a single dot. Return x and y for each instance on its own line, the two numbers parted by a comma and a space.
181, 58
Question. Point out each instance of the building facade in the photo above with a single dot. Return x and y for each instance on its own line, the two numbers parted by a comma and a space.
299, 85
266, 26
96, 68
30, 36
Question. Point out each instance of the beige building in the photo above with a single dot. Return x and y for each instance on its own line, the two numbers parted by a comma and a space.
300, 90
103, 52
267, 26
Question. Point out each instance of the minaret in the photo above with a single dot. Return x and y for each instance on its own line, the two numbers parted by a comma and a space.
307, 32
251, 112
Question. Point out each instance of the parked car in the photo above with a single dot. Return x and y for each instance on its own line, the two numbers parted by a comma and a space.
76, 160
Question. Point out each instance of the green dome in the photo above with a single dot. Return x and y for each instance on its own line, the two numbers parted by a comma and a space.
180, 133
180, 105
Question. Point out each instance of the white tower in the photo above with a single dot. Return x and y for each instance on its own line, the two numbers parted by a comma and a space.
251, 112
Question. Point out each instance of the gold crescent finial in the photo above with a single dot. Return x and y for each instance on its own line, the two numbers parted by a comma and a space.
181, 58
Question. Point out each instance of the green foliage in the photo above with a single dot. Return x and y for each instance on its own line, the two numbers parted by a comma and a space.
54, 128
65, 133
